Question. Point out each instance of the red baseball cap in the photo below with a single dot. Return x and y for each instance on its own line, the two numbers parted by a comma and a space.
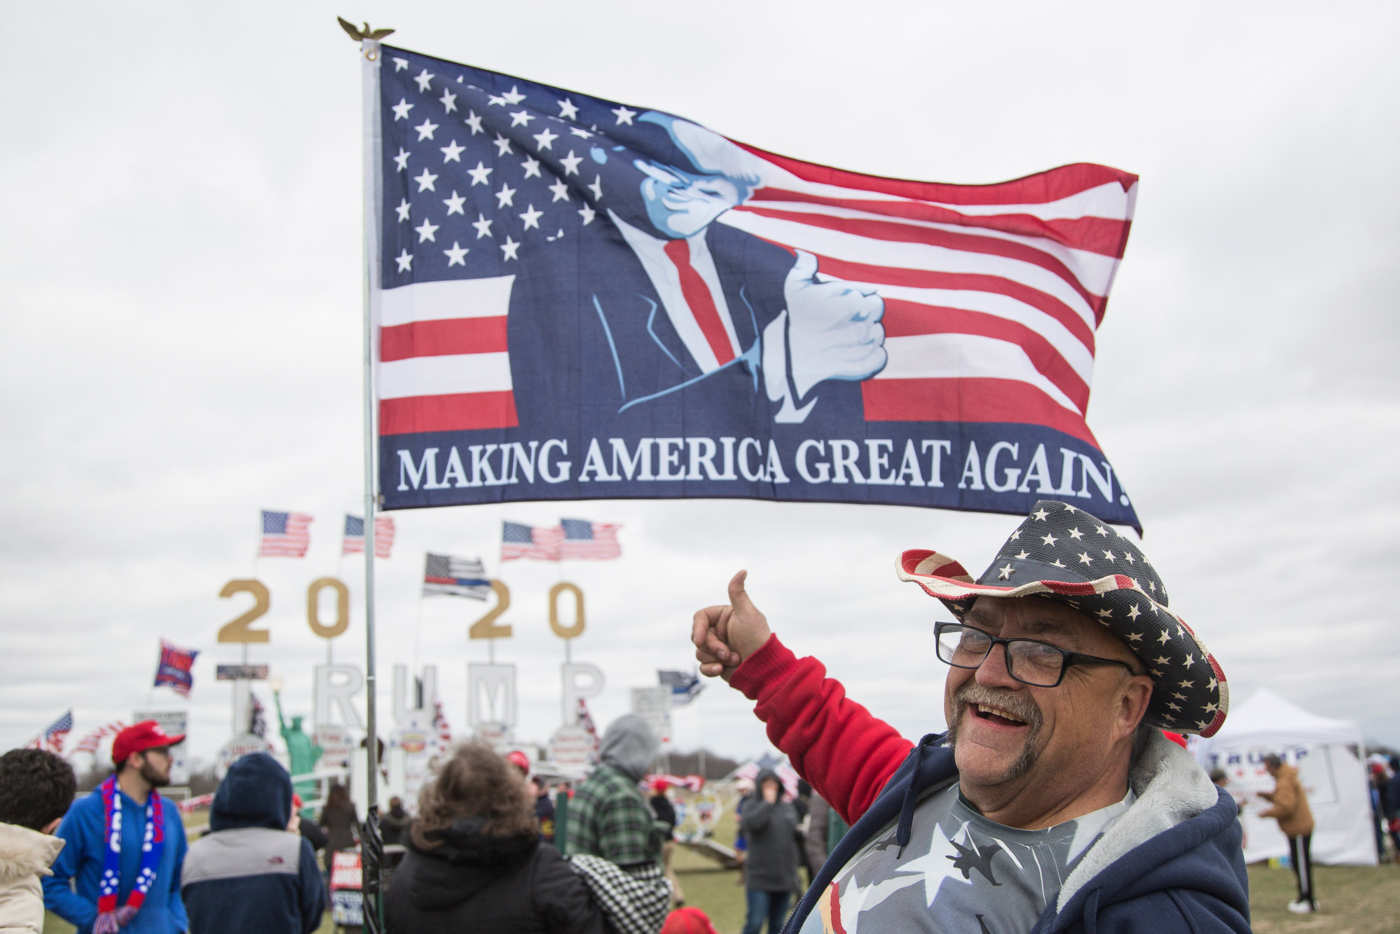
518, 759
138, 738
688, 920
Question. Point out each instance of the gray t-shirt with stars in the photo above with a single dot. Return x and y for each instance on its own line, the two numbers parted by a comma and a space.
960, 872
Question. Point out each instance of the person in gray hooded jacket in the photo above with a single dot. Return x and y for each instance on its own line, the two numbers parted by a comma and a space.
608, 816
251, 873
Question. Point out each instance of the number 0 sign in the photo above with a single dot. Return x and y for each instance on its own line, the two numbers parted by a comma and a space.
574, 630
342, 607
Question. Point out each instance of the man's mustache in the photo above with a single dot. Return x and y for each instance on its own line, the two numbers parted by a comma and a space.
1015, 703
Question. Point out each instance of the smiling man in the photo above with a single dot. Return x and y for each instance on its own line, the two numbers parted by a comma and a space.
1053, 802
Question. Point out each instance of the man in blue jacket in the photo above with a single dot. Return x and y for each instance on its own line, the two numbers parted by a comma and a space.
251, 872
125, 844
1053, 802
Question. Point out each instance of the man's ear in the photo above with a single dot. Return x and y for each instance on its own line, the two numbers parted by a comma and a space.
1133, 700
51, 826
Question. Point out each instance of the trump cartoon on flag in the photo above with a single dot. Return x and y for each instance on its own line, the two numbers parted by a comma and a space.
578, 298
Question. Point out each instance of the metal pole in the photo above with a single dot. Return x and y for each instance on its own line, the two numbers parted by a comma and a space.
371, 845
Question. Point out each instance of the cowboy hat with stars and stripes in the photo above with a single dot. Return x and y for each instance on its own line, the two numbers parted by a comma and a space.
1063, 553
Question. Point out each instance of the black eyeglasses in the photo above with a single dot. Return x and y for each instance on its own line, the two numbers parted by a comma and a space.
1029, 661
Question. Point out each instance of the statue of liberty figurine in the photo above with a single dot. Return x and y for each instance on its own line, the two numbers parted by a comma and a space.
302, 753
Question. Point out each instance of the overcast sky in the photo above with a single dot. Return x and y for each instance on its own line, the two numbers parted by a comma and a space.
183, 339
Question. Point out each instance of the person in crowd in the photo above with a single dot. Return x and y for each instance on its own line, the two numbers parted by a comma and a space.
803, 803
253, 871
1392, 804
770, 824
475, 861
1053, 801
665, 813
814, 845
608, 816
124, 845
340, 822
36, 789
1376, 772
544, 808
312, 832
1289, 806
688, 920
393, 823
743, 787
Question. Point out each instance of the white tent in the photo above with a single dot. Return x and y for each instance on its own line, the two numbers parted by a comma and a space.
1328, 756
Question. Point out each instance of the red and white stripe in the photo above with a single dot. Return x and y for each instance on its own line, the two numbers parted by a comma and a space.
91, 741
992, 292
443, 364
383, 539
602, 546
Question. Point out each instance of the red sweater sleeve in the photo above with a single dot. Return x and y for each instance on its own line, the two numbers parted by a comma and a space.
836, 744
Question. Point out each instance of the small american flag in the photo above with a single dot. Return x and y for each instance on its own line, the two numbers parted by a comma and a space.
592, 540
284, 534
91, 741
52, 737
455, 577
528, 541
354, 543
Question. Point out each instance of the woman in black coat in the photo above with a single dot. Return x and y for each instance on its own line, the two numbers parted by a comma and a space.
475, 861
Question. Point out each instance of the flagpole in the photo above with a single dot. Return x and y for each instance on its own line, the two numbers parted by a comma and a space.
371, 843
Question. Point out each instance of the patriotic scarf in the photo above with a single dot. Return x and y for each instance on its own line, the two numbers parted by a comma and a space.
152, 843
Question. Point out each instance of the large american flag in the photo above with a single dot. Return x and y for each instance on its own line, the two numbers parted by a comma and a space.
527, 541
455, 577
284, 534
354, 543
52, 737
992, 293
591, 540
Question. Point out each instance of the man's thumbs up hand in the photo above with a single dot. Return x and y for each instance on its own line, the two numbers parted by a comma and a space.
726, 635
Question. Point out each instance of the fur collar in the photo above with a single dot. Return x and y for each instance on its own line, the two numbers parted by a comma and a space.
1170, 787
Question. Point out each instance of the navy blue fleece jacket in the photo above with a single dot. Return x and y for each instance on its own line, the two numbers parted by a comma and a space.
250, 873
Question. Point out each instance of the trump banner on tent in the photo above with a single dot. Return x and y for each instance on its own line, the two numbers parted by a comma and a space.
578, 298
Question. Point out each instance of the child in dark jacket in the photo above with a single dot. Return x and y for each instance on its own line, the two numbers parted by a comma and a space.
252, 872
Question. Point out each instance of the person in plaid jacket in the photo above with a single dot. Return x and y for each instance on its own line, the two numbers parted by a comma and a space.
608, 817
